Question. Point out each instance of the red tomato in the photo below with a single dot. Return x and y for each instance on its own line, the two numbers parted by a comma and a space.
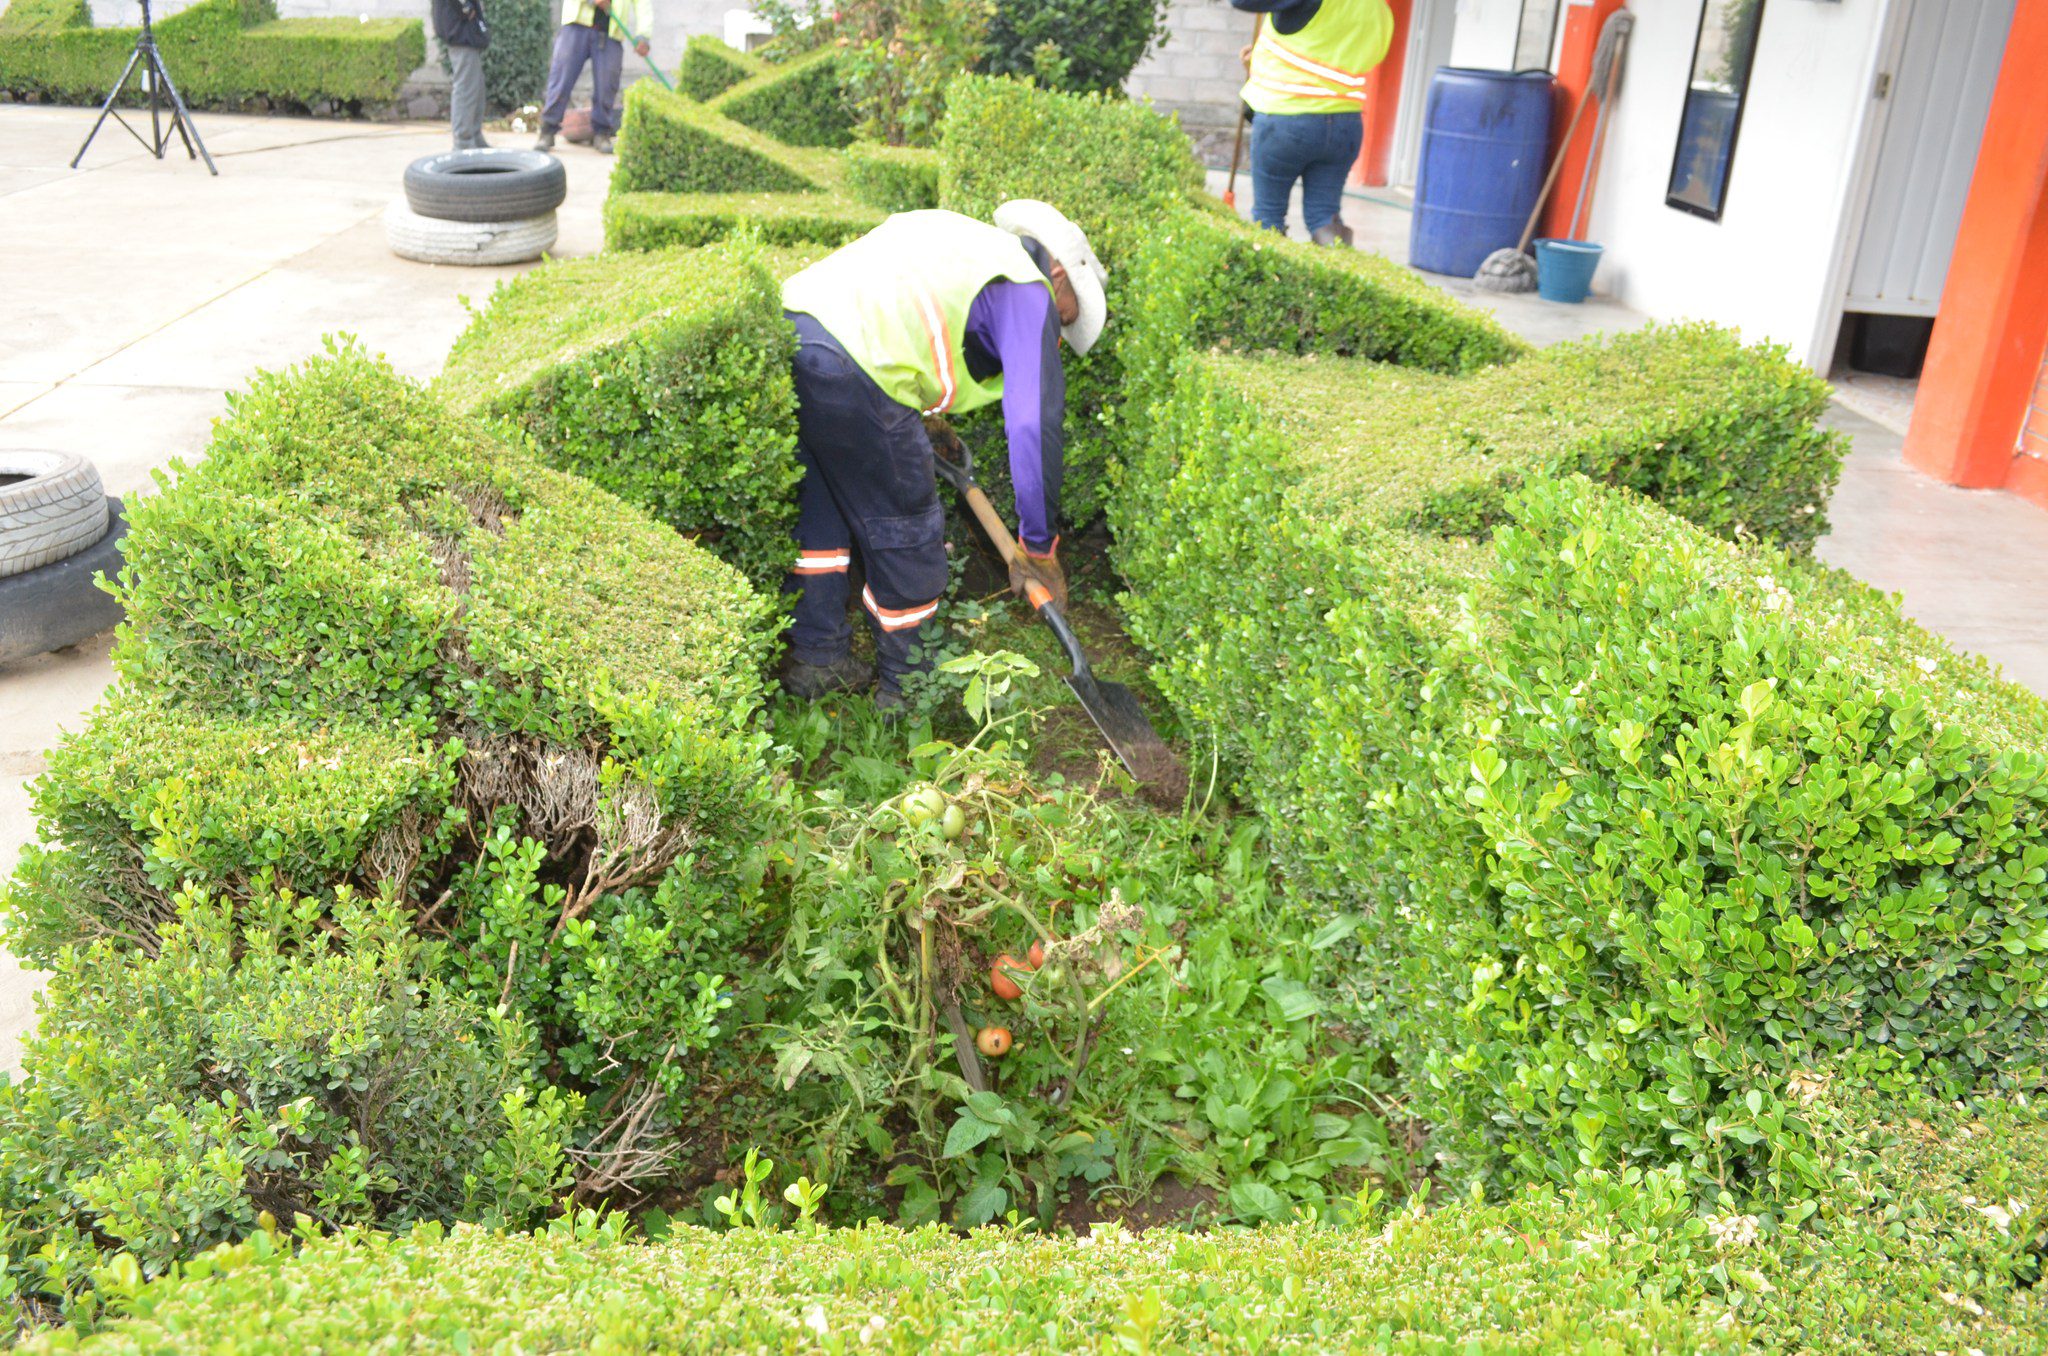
993, 1041
1037, 954
999, 976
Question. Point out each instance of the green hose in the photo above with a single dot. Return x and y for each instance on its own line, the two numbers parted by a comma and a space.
633, 40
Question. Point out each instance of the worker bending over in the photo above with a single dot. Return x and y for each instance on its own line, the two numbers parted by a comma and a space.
1307, 74
929, 313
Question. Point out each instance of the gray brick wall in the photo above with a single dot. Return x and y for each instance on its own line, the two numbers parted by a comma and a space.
1196, 72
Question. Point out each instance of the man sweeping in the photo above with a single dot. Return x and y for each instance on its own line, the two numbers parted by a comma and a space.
930, 313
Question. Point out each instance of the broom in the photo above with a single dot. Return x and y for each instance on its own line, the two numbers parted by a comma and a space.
1237, 147
1514, 270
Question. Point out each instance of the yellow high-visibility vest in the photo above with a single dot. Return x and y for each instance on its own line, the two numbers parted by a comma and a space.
897, 299
1322, 68
632, 13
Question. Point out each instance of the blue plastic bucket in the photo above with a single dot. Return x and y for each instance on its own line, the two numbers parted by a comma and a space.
1485, 144
1564, 269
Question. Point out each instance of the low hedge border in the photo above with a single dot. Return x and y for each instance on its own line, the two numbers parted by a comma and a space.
709, 68
1329, 606
663, 377
653, 221
221, 52
802, 103
892, 178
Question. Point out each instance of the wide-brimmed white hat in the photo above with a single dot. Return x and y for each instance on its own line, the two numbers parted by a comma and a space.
1065, 242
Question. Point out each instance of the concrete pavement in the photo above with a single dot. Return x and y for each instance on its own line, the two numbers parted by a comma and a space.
137, 294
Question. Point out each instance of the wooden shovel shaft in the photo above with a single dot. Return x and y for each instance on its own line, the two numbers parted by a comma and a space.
992, 523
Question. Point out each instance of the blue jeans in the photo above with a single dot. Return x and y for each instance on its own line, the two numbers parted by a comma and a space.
576, 44
1316, 148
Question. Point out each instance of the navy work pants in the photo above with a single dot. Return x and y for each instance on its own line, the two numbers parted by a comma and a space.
576, 44
868, 489
1316, 148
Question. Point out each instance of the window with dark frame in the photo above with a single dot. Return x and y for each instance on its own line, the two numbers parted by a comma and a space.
1722, 54
1537, 35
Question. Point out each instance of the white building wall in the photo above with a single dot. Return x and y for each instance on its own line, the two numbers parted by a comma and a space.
1769, 265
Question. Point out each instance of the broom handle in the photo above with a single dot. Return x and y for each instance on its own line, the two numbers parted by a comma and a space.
1556, 164
1593, 151
1237, 146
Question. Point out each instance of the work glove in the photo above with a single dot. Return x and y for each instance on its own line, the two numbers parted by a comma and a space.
1044, 570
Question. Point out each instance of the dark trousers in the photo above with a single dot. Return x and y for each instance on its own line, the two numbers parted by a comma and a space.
574, 45
868, 490
1316, 148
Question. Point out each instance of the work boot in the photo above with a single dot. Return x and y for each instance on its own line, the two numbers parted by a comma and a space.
602, 144
812, 681
891, 705
1336, 233
546, 141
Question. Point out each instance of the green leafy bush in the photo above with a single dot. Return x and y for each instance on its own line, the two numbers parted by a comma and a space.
670, 144
516, 62
1089, 45
800, 103
892, 178
663, 377
557, 692
249, 1062
709, 68
1364, 653
653, 221
223, 52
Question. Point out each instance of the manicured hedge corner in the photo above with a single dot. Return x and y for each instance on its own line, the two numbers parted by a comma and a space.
709, 68
222, 52
662, 376
892, 178
650, 221
802, 103
669, 144
1112, 166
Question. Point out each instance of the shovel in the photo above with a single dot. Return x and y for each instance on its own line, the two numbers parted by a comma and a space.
1115, 711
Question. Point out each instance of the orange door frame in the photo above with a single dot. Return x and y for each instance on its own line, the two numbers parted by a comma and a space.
1992, 326
1382, 103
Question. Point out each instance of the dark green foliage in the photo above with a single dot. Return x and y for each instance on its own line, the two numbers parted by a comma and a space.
1094, 43
709, 68
516, 62
664, 377
1435, 725
652, 221
249, 1061
669, 144
802, 103
223, 52
892, 178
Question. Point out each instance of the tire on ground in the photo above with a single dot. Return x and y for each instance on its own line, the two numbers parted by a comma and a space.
60, 604
433, 241
488, 184
51, 508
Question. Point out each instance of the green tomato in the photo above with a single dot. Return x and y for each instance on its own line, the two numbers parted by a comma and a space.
923, 805
954, 823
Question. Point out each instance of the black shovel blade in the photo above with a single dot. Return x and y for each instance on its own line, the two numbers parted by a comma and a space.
1128, 732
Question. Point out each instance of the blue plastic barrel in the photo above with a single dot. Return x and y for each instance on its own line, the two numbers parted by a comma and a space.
1565, 268
1485, 135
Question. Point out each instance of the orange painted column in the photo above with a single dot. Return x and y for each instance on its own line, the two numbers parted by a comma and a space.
1993, 323
1574, 73
1382, 103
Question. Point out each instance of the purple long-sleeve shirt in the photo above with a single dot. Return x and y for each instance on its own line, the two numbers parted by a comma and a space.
1013, 328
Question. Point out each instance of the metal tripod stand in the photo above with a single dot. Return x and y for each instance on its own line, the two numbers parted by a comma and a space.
157, 81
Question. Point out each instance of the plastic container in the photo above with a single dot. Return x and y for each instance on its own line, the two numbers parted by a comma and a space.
1565, 268
1485, 136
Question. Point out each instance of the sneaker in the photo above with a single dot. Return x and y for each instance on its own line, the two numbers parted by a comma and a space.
546, 141
812, 681
601, 144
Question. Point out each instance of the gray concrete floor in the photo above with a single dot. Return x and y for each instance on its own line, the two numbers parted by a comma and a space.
136, 294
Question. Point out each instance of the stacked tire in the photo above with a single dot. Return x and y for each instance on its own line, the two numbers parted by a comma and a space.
58, 529
495, 205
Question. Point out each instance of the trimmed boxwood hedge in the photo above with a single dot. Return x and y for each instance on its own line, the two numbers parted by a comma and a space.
801, 103
1434, 722
892, 178
374, 647
652, 221
1936, 1248
709, 68
663, 377
670, 144
221, 52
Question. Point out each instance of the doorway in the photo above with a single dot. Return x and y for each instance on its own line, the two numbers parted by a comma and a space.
1932, 95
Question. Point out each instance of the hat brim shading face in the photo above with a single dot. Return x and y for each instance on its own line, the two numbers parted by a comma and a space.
1065, 242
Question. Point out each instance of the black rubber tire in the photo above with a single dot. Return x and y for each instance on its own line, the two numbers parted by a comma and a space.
51, 506
59, 605
494, 183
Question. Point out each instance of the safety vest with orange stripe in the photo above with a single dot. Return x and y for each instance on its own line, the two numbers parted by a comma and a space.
897, 299
1322, 68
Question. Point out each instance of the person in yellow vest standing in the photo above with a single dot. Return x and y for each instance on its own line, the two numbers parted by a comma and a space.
591, 34
929, 313
1306, 88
